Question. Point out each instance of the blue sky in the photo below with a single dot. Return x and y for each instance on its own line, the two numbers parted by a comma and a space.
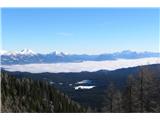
80, 30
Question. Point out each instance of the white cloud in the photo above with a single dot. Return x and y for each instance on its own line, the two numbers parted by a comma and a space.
82, 66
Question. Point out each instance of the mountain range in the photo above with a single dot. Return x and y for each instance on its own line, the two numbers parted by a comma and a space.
27, 56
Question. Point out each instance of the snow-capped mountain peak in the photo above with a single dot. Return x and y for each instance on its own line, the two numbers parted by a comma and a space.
27, 52
26, 56
2, 52
58, 53
15, 53
8, 53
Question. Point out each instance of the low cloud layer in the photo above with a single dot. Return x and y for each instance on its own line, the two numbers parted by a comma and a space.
82, 66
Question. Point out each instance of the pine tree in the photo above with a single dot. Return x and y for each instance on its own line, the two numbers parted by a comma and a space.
26, 95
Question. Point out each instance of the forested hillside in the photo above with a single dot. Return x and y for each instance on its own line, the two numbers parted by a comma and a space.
95, 97
126, 90
27, 95
141, 94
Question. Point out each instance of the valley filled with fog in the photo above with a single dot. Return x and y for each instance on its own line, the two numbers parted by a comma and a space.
82, 66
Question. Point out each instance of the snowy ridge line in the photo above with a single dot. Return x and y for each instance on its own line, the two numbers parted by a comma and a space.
27, 56
22, 52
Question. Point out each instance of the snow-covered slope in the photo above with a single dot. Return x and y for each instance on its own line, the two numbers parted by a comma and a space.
2, 52
27, 52
16, 53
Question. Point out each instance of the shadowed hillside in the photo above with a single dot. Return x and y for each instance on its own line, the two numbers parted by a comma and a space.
27, 95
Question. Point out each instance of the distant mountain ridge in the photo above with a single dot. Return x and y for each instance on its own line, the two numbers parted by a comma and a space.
27, 56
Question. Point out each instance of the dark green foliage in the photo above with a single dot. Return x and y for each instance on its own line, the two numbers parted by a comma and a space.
139, 92
27, 95
101, 79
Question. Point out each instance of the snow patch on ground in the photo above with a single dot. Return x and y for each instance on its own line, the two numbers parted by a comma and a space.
83, 87
84, 82
51, 83
60, 83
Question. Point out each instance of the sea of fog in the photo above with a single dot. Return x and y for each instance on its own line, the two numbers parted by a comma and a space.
82, 66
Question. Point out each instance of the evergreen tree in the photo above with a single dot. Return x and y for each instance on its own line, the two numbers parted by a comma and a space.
27, 95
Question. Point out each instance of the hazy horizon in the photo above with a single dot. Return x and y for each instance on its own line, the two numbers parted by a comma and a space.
58, 52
